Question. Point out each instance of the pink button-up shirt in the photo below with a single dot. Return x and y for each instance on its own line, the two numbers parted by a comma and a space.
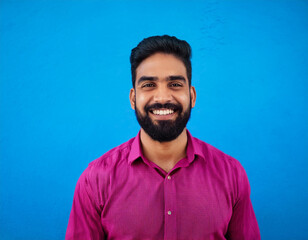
122, 195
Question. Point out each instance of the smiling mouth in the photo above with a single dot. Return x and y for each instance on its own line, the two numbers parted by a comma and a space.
162, 112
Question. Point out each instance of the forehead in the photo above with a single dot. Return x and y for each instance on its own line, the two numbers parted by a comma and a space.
161, 64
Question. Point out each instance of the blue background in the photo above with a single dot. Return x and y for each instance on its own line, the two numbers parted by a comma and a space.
65, 81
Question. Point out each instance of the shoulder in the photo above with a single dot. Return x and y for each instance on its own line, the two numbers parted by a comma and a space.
104, 166
97, 177
224, 167
113, 157
215, 156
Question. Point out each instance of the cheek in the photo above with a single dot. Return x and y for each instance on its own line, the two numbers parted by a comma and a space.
140, 100
184, 99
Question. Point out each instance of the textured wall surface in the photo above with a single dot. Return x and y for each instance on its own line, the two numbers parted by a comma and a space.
64, 86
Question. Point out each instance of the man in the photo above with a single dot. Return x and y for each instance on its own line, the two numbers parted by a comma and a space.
164, 183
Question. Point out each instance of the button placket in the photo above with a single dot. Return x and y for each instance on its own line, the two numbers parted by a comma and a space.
170, 208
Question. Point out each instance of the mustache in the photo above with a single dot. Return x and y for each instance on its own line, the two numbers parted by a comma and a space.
155, 106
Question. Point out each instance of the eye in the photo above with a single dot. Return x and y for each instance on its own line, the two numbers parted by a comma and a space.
175, 85
148, 85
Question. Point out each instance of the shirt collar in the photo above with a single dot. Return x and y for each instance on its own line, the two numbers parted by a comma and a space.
135, 151
194, 147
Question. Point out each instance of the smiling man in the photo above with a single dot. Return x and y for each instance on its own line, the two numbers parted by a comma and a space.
164, 183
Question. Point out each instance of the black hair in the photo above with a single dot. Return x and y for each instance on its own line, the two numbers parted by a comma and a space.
164, 44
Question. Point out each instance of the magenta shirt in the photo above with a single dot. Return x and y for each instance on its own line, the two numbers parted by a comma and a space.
122, 195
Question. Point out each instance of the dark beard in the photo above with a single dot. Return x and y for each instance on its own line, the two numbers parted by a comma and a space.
164, 130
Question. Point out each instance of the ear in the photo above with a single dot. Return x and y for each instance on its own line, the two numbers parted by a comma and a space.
132, 97
193, 96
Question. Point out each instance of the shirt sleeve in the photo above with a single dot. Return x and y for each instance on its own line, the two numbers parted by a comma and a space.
243, 224
85, 220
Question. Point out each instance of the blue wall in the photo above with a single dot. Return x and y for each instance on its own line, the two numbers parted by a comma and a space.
65, 80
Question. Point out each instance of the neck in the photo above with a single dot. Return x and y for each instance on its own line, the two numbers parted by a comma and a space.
164, 154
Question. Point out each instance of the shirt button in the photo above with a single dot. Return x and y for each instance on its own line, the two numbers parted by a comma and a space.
169, 177
169, 212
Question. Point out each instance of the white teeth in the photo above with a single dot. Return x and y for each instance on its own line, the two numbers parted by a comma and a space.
163, 112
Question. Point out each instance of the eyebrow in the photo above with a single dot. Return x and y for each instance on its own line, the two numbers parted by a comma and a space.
176, 77
169, 78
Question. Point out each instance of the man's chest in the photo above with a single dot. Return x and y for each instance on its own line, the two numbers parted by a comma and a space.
183, 205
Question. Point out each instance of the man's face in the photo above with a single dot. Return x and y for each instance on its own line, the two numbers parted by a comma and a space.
162, 97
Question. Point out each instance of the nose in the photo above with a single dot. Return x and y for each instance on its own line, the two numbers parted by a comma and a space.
162, 95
